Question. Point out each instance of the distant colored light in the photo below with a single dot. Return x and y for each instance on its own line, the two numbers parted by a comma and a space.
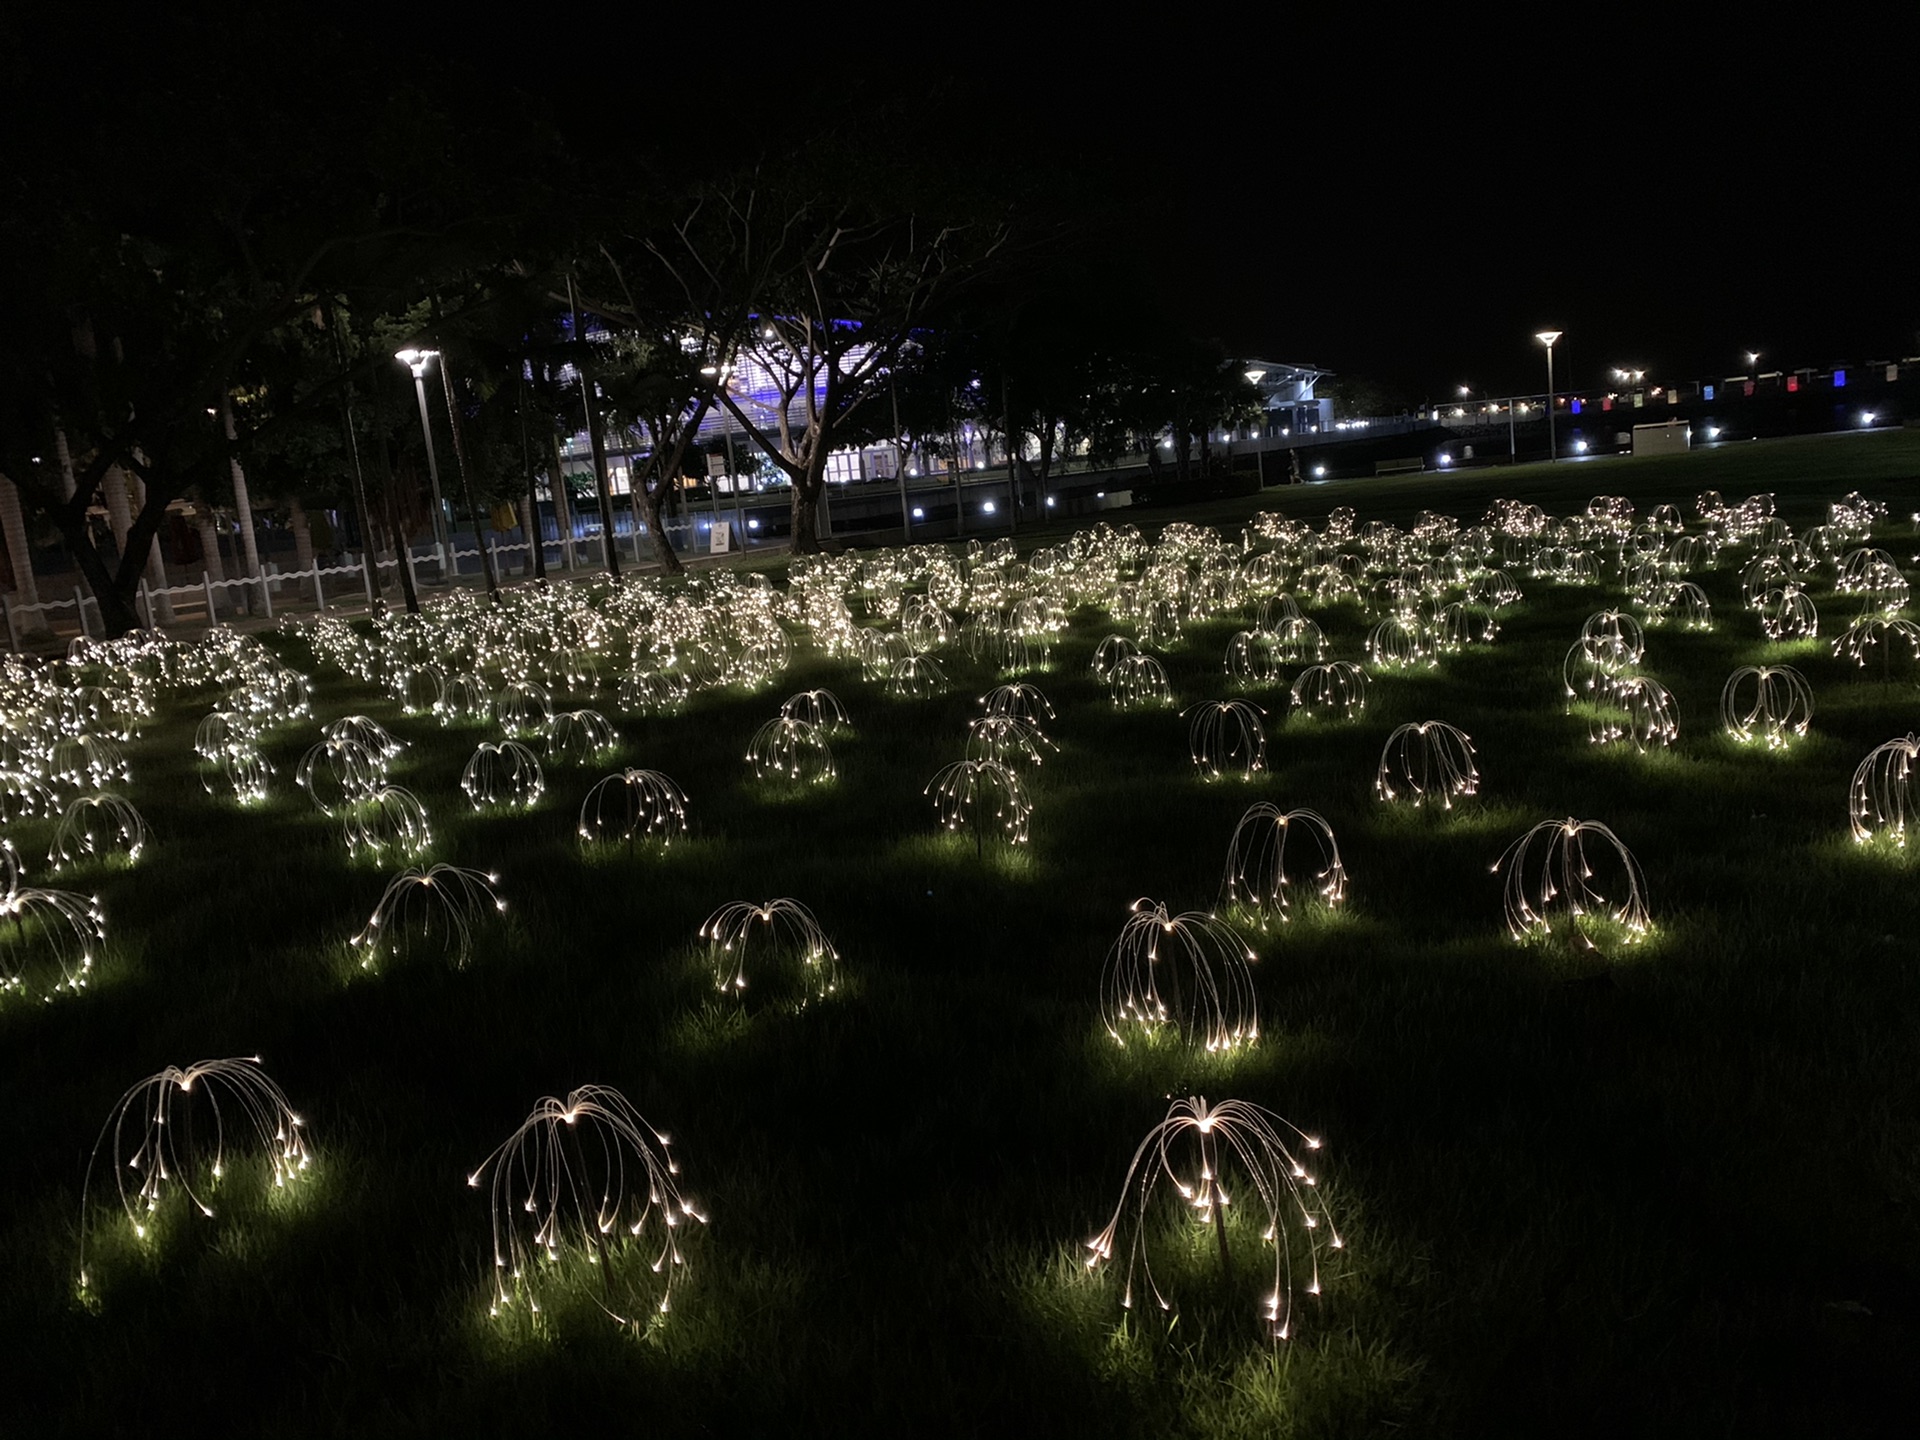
753, 524
988, 507
1577, 403
1319, 470
1839, 379
918, 513
1579, 447
1445, 460
1706, 392
1049, 502
1793, 383
1867, 417
1713, 432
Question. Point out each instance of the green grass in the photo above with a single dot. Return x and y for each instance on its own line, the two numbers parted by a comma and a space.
1670, 1188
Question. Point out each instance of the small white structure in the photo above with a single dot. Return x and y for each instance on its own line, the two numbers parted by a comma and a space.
1668, 439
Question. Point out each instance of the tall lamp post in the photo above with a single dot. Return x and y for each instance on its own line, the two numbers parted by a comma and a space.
417, 361
1546, 338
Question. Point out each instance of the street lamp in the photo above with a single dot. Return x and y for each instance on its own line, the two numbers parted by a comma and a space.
1546, 338
417, 361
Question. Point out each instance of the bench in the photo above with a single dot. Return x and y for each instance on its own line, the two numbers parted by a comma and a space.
1400, 466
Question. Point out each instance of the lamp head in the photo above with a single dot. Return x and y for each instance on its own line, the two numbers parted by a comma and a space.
415, 360
1547, 337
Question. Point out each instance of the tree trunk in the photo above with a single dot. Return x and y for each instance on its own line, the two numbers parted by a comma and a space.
662, 546
402, 544
805, 521
116, 610
302, 542
209, 537
242, 501
466, 484
562, 510
19, 551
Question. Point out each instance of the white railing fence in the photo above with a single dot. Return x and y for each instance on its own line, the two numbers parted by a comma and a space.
351, 584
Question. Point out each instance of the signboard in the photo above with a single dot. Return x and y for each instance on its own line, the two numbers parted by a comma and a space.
720, 538
716, 466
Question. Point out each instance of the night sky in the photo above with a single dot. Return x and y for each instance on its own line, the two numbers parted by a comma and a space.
1403, 204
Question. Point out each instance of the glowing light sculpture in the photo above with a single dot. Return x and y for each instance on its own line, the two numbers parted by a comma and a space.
1227, 735
1194, 1149
1558, 868
631, 806
1637, 709
1138, 682
1768, 704
181, 1130
434, 908
38, 924
819, 708
1336, 690
1426, 760
1008, 740
387, 821
502, 775
976, 794
586, 1175
575, 737
1187, 972
96, 826
86, 762
367, 732
788, 749
244, 770
1787, 613
338, 773
917, 677
1275, 855
1884, 796
768, 934
1875, 634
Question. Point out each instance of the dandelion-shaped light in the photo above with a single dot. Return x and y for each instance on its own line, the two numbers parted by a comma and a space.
420, 689
792, 750
388, 821
243, 770
221, 729
1197, 1149
502, 775
1276, 856
575, 737
1770, 704
1681, 603
432, 909
819, 708
1787, 613
339, 772
1109, 653
982, 795
916, 677
586, 1178
1007, 739
1226, 736
631, 806
1636, 709
1187, 972
39, 924
181, 1130
1399, 643
1018, 701
1253, 658
86, 762
746, 935
1138, 682
652, 692
97, 826
1426, 760
523, 708
1298, 641
1336, 690
365, 731
464, 698
1577, 870
1884, 797
1875, 634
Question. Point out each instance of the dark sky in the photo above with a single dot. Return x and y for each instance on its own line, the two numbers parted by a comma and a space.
1405, 201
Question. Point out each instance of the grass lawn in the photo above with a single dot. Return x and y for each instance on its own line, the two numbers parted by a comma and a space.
1663, 1188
